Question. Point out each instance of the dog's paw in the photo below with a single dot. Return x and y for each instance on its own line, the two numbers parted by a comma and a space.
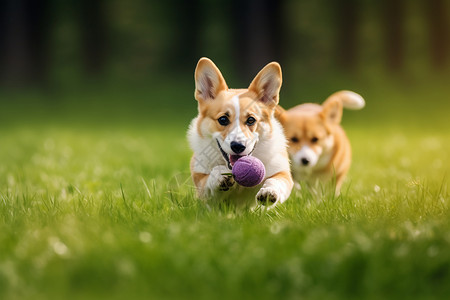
267, 196
217, 181
226, 183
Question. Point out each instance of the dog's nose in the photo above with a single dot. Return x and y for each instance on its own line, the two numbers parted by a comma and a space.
305, 161
237, 147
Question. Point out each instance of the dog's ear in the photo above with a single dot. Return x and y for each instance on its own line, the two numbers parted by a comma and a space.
267, 84
280, 114
208, 80
332, 110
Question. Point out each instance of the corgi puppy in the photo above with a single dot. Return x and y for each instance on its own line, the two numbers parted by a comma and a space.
318, 146
233, 123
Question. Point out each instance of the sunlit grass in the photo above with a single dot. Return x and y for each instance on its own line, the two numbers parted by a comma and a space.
92, 212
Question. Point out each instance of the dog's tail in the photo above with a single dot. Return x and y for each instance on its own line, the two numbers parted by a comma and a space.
349, 100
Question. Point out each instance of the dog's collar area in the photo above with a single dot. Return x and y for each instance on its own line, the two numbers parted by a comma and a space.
227, 157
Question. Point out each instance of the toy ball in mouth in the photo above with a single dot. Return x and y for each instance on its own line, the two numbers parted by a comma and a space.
248, 171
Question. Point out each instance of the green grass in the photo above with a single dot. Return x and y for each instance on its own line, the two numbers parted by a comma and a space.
95, 209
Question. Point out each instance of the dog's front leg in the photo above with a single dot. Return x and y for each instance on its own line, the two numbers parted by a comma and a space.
276, 189
208, 184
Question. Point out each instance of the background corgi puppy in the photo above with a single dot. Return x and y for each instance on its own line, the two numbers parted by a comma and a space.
318, 146
232, 123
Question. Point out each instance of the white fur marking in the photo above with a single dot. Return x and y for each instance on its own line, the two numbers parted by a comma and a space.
236, 133
306, 153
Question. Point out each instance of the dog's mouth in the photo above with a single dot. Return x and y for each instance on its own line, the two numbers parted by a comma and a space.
231, 159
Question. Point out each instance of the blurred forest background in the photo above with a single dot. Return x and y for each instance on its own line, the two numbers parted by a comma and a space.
144, 52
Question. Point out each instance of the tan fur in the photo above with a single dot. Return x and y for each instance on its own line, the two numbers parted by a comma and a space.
263, 139
305, 123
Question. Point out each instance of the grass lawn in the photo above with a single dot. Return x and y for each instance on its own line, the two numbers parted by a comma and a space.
92, 210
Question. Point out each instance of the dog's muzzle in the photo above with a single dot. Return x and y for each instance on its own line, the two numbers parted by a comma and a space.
232, 158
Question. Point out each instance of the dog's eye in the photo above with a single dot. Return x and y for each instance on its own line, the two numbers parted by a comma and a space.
314, 140
223, 120
250, 121
294, 139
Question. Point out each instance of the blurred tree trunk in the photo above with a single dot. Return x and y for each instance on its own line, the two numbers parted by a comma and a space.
184, 49
393, 20
439, 32
3, 32
257, 29
24, 41
347, 46
94, 35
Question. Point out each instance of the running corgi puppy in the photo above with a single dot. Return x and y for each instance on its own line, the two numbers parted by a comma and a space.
233, 123
318, 146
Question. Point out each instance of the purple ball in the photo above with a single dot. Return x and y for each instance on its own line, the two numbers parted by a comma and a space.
248, 171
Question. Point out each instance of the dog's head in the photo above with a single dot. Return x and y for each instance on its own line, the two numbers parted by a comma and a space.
235, 118
309, 129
